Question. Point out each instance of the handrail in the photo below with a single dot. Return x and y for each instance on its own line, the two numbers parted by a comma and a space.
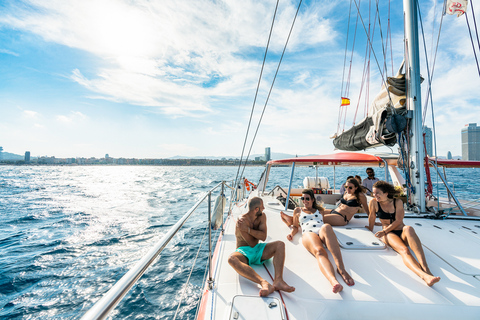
448, 189
109, 301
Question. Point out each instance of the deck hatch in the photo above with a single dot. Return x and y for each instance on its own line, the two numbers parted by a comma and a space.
357, 238
252, 308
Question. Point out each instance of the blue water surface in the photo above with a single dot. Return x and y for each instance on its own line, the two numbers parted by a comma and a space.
68, 234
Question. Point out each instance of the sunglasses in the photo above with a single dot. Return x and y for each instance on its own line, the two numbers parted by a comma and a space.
305, 198
349, 187
369, 172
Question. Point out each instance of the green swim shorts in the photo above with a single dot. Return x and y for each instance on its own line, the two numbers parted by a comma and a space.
253, 255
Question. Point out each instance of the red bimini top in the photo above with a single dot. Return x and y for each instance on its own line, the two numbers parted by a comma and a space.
345, 158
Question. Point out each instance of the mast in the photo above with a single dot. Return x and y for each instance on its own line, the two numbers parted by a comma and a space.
414, 102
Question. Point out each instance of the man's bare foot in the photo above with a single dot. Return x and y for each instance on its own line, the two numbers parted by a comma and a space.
337, 288
346, 277
267, 288
283, 286
431, 280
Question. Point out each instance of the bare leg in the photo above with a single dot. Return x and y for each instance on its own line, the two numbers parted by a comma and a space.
239, 263
277, 250
327, 235
314, 245
410, 237
399, 246
286, 218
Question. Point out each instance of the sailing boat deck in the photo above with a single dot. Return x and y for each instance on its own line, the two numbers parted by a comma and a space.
384, 286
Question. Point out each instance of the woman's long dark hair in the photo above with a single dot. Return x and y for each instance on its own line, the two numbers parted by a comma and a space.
386, 187
360, 189
315, 205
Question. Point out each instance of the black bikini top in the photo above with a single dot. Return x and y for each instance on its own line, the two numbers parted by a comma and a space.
350, 203
386, 215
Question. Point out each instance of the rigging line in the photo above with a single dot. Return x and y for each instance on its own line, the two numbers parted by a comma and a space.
346, 93
366, 64
256, 94
273, 83
475, 23
374, 55
435, 56
473, 45
347, 87
424, 115
344, 64
429, 95
390, 32
433, 26
190, 274
381, 37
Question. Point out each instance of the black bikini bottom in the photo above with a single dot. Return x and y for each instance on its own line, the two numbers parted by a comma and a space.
398, 233
344, 217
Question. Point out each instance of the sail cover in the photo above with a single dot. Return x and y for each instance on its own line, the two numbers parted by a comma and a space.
386, 118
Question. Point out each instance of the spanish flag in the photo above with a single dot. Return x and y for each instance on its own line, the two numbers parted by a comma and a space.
345, 102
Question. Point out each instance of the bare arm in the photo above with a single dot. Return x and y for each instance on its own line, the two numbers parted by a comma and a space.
371, 214
250, 233
364, 203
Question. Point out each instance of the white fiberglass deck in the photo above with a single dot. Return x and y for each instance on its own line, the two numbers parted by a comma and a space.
385, 288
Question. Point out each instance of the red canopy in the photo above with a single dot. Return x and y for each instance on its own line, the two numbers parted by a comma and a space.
352, 158
457, 163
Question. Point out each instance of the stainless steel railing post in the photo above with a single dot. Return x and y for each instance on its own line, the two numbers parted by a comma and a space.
210, 281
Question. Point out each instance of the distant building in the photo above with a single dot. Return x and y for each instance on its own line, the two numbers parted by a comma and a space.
1, 153
27, 156
449, 155
471, 142
107, 156
428, 140
267, 154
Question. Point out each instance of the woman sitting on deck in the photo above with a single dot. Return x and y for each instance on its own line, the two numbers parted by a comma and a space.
316, 234
395, 233
353, 199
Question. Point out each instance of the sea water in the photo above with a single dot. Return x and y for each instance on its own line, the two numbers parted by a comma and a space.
68, 234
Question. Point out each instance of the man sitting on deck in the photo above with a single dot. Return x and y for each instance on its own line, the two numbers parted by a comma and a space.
250, 228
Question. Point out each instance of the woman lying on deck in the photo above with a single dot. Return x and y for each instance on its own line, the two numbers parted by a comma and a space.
316, 234
351, 201
396, 234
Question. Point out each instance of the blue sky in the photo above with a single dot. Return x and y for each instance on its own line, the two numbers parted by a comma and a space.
154, 79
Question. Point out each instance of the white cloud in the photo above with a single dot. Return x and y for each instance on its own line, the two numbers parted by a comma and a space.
9, 52
30, 113
74, 116
166, 54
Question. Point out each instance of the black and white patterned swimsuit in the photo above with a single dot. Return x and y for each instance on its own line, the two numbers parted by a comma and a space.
311, 222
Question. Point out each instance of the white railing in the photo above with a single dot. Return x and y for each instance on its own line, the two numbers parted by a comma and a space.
109, 301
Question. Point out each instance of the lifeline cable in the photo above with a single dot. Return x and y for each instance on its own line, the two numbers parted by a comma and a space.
190, 275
